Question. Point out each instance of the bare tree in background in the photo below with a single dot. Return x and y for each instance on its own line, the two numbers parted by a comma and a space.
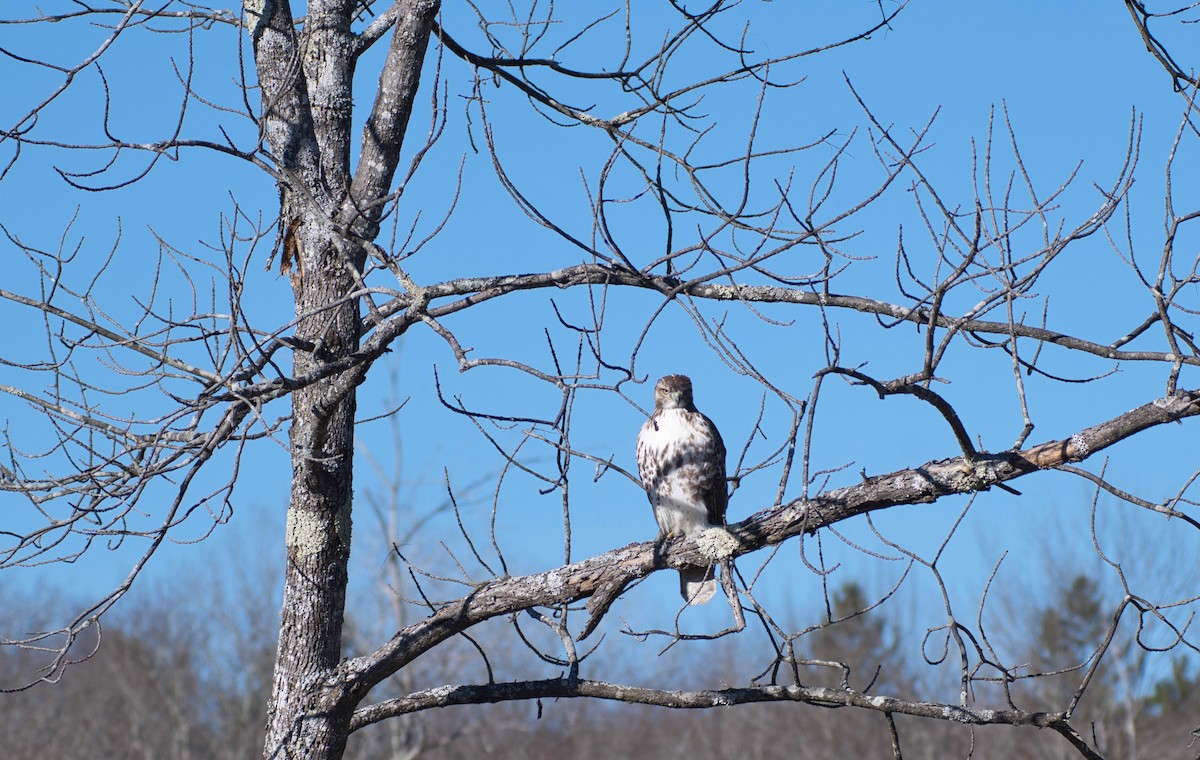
152, 414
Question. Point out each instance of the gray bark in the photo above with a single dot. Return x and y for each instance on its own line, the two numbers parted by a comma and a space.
306, 116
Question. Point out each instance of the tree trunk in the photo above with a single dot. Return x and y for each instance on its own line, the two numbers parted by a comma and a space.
325, 215
318, 522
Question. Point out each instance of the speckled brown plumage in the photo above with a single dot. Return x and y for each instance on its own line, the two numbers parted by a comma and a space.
681, 460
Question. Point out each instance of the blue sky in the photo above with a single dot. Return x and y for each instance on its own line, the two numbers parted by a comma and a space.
1070, 75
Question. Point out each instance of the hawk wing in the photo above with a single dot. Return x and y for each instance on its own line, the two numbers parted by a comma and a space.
711, 454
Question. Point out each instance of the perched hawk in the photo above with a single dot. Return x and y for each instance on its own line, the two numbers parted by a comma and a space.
681, 460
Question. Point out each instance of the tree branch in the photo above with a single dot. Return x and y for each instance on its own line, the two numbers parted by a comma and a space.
606, 574
476, 289
383, 133
563, 688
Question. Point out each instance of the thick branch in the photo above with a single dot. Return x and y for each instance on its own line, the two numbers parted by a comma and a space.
604, 576
446, 696
286, 114
384, 131
472, 290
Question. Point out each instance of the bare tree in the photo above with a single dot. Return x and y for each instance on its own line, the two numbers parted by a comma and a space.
151, 410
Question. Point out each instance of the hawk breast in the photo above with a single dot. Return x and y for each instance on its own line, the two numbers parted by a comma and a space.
681, 460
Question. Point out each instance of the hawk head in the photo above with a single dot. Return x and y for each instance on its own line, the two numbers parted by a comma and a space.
674, 392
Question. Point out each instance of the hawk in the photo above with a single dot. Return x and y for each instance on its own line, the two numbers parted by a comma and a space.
681, 460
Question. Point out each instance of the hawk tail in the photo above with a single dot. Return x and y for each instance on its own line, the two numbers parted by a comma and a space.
697, 586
